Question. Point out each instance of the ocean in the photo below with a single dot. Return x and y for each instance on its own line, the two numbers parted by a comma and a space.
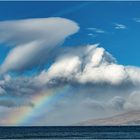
71, 132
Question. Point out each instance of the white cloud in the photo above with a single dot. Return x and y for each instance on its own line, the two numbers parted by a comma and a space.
136, 20
120, 26
91, 65
65, 68
134, 74
33, 40
116, 103
133, 102
83, 66
112, 74
92, 35
128, 103
96, 30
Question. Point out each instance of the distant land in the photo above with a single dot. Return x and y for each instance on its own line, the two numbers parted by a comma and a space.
128, 118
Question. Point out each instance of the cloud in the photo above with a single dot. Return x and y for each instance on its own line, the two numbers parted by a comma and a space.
89, 70
136, 20
96, 30
134, 74
133, 102
92, 35
98, 83
93, 104
116, 103
2, 91
120, 26
14, 103
129, 103
92, 65
63, 70
19, 91
33, 40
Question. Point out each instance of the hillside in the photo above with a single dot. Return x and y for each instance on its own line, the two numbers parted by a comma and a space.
128, 118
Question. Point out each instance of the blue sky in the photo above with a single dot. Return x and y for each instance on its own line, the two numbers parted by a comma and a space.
123, 44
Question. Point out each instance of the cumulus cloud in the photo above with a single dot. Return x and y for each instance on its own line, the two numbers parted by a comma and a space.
91, 65
19, 91
128, 103
32, 40
133, 102
120, 26
20, 86
116, 103
82, 66
134, 74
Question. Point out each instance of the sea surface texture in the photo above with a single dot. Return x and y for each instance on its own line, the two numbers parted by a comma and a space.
74, 132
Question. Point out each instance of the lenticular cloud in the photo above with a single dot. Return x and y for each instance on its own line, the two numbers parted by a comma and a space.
32, 40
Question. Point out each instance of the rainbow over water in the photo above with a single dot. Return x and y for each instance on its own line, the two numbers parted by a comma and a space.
25, 115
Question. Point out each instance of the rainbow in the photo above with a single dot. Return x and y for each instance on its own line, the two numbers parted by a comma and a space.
25, 115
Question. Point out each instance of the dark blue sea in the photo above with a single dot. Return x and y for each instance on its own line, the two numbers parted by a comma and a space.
71, 132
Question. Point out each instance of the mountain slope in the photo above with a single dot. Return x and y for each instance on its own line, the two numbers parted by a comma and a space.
128, 118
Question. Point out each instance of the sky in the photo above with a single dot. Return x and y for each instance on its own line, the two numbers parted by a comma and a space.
62, 63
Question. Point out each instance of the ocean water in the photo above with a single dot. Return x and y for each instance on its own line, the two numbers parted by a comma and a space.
71, 132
